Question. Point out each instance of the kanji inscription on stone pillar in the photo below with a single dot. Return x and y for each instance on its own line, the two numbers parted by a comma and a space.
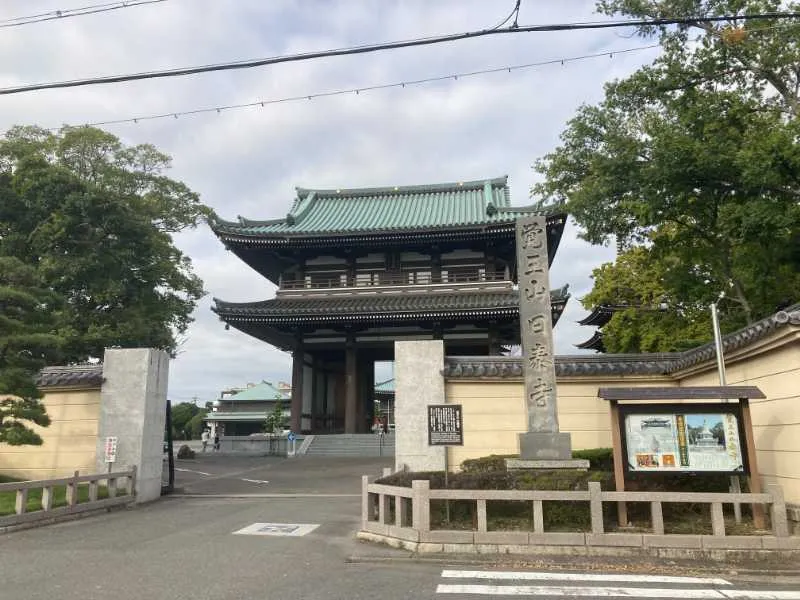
543, 445
536, 330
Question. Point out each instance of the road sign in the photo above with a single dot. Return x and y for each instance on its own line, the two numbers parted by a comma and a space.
110, 449
291, 437
445, 425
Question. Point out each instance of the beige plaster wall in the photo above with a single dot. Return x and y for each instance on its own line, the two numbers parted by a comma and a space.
69, 442
494, 410
494, 413
774, 368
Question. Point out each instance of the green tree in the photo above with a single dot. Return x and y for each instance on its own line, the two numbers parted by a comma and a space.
655, 320
96, 218
182, 415
29, 340
196, 424
693, 158
275, 419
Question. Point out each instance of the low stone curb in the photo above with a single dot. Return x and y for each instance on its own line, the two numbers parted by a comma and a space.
584, 544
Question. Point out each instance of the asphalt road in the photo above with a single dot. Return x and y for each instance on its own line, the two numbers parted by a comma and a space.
185, 547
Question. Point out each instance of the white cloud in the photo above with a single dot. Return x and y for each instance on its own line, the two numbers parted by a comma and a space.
248, 161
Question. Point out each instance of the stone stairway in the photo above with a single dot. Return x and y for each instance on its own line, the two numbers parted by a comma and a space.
351, 444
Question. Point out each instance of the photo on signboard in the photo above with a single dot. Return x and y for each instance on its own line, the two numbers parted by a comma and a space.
705, 432
683, 441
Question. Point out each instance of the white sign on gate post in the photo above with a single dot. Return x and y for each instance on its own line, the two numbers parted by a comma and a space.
110, 448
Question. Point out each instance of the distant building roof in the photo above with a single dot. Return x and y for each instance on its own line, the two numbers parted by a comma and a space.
601, 314
260, 391
385, 387
593, 343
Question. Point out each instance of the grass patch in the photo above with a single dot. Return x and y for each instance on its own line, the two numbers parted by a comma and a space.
8, 500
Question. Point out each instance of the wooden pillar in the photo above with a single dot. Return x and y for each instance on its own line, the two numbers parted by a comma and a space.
297, 386
351, 386
366, 405
351, 270
494, 343
301, 272
436, 265
754, 479
619, 465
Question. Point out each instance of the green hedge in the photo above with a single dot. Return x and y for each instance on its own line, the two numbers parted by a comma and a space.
489, 472
600, 459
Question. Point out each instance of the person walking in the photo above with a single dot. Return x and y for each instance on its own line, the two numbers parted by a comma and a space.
205, 437
216, 442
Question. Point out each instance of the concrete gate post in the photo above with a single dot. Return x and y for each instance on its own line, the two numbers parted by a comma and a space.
133, 401
419, 382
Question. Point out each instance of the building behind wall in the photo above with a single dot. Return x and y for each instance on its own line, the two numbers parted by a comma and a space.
244, 411
357, 269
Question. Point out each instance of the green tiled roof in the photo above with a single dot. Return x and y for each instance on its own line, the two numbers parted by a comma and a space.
386, 387
261, 391
379, 307
399, 208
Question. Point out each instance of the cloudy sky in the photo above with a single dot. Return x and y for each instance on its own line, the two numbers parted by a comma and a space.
247, 162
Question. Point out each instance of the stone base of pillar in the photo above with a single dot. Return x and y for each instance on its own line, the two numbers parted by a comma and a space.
573, 464
536, 445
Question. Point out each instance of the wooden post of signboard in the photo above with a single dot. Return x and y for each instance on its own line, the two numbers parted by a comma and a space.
754, 479
619, 466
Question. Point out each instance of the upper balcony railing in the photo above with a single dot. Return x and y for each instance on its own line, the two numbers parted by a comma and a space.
391, 279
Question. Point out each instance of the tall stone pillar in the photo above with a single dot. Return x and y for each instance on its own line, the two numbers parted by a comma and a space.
133, 401
351, 387
296, 408
418, 383
543, 441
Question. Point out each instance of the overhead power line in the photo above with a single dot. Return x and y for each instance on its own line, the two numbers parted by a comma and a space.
361, 89
55, 15
247, 64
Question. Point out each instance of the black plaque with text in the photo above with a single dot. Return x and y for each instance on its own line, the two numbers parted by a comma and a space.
445, 425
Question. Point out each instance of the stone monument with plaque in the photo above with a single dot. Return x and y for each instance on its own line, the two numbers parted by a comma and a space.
543, 446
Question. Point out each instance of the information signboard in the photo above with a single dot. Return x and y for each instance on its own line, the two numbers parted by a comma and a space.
685, 439
445, 425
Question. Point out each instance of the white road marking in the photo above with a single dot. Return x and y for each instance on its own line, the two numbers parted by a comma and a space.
579, 591
278, 529
760, 594
191, 471
583, 577
255, 480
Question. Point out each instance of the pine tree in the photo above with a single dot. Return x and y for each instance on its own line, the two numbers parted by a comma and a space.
28, 342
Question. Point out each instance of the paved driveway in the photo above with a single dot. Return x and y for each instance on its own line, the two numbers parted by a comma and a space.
184, 547
212, 474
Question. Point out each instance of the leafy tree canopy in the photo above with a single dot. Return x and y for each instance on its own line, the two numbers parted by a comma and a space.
694, 162
95, 218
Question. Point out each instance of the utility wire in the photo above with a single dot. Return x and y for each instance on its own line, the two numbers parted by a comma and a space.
358, 90
55, 15
247, 64
514, 13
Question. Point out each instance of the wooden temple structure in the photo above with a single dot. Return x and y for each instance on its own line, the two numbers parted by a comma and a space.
357, 269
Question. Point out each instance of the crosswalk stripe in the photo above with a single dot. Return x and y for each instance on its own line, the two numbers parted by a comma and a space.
585, 577
578, 591
624, 592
